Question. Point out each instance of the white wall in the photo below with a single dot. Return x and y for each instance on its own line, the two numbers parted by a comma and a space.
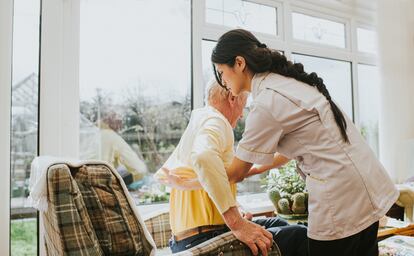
396, 49
6, 26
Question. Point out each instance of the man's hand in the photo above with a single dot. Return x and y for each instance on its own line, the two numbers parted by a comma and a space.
170, 179
251, 234
254, 236
174, 180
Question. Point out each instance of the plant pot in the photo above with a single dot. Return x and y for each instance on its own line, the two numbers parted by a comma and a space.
283, 206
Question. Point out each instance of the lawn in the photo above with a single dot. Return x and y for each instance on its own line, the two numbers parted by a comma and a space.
23, 237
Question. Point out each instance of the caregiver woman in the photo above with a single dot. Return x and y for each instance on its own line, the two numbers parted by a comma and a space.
292, 113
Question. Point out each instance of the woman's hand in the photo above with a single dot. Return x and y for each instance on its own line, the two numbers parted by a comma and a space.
247, 215
254, 171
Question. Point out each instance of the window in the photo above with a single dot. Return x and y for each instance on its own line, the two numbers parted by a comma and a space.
369, 103
244, 14
367, 40
24, 123
336, 76
318, 30
135, 86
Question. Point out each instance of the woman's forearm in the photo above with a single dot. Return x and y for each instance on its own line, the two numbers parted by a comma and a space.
240, 169
278, 161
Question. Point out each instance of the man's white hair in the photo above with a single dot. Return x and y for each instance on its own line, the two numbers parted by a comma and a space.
214, 92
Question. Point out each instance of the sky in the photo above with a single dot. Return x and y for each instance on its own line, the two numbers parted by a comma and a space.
124, 44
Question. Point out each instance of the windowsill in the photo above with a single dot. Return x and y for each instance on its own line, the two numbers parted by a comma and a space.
253, 203
256, 203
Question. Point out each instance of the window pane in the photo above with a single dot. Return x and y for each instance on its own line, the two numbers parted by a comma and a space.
369, 103
135, 86
318, 30
336, 76
206, 50
24, 123
244, 14
367, 40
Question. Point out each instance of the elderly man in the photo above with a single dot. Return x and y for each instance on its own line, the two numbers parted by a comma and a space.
202, 199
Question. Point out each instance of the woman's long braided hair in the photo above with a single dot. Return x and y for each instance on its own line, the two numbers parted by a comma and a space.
259, 58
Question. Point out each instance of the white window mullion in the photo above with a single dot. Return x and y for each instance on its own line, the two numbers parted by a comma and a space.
6, 35
197, 31
59, 78
288, 36
355, 92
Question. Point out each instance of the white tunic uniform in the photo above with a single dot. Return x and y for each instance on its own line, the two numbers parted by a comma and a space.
348, 187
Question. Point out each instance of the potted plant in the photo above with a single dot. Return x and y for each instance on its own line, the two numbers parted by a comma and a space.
286, 190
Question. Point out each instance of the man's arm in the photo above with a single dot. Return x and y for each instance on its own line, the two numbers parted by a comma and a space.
208, 147
209, 167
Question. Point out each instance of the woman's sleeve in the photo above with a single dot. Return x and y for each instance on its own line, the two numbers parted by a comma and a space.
260, 138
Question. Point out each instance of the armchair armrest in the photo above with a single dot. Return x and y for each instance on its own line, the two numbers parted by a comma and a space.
225, 244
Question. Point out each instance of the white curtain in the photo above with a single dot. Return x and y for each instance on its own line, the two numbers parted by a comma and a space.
396, 55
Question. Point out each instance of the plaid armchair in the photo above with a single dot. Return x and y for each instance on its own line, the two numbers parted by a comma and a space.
91, 213
225, 244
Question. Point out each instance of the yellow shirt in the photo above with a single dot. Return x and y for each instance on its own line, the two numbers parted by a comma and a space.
205, 149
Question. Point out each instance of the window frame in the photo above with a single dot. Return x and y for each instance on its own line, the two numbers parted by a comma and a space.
6, 49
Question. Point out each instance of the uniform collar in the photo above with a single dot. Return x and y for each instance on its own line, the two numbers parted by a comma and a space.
257, 80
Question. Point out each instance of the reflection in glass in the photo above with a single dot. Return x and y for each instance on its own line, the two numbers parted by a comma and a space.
243, 14
318, 30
